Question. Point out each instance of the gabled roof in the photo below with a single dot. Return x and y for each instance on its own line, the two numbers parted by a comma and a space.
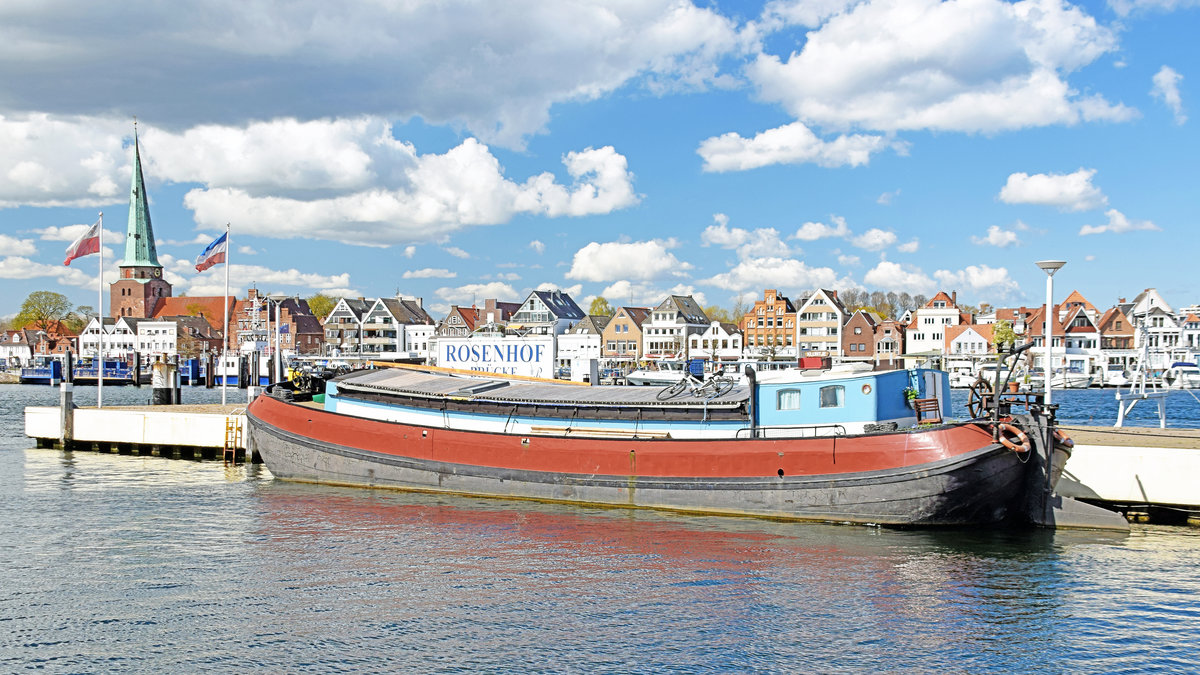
1076, 298
637, 315
469, 315
1191, 318
560, 304
685, 305
209, 307
592, 324
941, 295
730, 328
869, 316
983, 330
1074, 313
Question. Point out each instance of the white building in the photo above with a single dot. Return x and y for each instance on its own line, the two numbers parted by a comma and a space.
926, 334
819, 321
546, 313
665, 333
719, 342
583, 341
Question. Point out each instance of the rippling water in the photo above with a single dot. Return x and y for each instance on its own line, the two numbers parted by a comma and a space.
111, 563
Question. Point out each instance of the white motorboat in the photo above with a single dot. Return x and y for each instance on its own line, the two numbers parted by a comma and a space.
660, 374
1070, 378
1181, 375
1115, 375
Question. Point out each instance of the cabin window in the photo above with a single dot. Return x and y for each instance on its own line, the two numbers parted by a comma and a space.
833, 396
788, 399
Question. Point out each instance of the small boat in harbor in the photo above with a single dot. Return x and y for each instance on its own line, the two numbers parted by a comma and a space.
1181, 375
660, 373
835, 445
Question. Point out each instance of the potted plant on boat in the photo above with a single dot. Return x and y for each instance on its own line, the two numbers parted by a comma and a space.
910, 395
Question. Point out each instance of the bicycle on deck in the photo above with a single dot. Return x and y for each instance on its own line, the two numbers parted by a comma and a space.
716, 386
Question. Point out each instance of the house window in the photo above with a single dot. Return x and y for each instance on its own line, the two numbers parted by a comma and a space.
787, 399
833, 396
857, 330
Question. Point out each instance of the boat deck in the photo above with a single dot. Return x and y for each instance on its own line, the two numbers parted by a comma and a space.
1134, 437
485, 388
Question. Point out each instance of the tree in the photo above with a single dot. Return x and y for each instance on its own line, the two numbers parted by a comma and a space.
739, 310
1003, 335
78, 318
919, 301
715, 313
321, 305
42, 309
905, 302
194, 309
600, 307
188, 345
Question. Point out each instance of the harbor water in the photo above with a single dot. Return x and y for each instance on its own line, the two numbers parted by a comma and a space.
119, 563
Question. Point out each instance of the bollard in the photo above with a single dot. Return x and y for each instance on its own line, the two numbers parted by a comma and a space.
162, 378
66, 403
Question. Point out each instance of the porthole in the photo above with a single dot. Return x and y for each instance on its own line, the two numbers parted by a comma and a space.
866, 389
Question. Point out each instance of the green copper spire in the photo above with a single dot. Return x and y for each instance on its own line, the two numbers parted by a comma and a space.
139, 239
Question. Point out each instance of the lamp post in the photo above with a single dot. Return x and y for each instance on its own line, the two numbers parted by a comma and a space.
1049, 267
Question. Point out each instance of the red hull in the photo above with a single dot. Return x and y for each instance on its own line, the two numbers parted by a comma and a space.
695, 458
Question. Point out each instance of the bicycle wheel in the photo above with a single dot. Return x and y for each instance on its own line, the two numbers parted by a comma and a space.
722, 386
672, 391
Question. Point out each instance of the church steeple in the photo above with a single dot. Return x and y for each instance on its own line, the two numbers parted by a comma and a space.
139, 239
140, 290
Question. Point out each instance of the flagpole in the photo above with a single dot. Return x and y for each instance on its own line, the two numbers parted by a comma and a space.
100, 320
225, 329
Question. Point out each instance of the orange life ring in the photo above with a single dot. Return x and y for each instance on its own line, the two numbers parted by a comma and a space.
1062, 439
1022, 441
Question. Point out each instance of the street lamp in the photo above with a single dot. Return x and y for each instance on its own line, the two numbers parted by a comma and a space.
1049, 267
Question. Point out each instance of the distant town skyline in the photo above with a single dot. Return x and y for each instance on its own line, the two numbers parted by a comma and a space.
458, 152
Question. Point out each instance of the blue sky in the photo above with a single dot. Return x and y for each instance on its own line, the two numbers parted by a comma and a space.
458, 151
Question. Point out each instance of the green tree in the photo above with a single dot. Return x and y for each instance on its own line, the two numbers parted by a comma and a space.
78, 319
715, 313
1003, 335
600, 307
42, 309
321, 305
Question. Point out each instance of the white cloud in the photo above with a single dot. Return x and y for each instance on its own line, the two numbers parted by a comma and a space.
1126, 7
456, 252
748, 243
874, 239
477, 293
182, 274
508, 276
896, 277
909, 247
537, 247
980, 66
72, 232
1119, 224
774, 272
19, 247
849, 260
394, 60
247, 250
20, 267
575, 291
997, 237
410, 251
437, 195
1166, 88
812, 231
793, 143
633, 294
1068, 192
640, 261
429, 273
887, 197
981, 278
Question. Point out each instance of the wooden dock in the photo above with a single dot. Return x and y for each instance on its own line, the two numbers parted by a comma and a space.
206, 431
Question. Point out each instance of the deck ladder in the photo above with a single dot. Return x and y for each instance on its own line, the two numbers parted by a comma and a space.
233, 439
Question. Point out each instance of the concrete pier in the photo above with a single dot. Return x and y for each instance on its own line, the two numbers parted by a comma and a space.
182, 431
1140, 470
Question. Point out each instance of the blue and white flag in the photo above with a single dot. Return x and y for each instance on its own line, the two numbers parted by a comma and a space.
213, 255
